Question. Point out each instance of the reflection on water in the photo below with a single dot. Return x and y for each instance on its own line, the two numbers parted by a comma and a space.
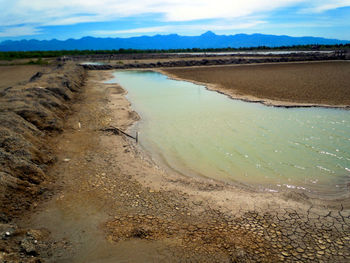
197, 131
92, 63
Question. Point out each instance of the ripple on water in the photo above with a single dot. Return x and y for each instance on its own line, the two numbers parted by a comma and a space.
203, 132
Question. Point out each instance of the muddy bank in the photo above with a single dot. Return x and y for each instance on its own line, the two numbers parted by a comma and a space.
115, 204
30, 113
237, 54
288, 84
240, 59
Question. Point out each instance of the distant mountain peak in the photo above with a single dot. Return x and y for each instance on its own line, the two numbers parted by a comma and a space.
208, 34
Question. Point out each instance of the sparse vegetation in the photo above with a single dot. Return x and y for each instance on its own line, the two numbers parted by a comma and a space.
39, 61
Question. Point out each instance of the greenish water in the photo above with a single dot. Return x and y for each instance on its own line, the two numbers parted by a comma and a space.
201, 132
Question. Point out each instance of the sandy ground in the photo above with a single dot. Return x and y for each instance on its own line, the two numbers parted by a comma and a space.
13, 75
281, 84
114, 204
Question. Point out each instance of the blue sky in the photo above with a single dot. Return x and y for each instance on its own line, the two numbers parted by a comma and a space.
63, 19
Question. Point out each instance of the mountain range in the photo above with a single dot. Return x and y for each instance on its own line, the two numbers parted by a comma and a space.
172, 41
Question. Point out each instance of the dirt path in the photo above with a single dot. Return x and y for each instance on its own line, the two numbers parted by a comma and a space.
113, 204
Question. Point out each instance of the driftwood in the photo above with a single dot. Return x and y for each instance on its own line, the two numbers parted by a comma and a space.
117, 131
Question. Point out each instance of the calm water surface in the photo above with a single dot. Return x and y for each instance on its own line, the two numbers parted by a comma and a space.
201, 132
92, 63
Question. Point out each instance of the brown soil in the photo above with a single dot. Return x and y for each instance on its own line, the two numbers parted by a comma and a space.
29, 114
14, 75
317, 83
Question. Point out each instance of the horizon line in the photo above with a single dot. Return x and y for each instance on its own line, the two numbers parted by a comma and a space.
209, 31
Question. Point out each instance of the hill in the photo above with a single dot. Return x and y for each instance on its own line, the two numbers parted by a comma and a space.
172, 41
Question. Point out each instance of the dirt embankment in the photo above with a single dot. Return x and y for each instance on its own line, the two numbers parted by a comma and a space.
29, 114
209, 61
288, 84
173, 56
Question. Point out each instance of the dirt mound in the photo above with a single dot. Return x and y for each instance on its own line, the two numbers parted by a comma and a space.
294, 57
28, 114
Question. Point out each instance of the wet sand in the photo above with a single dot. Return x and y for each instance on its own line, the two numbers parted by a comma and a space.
113, 203
281, 84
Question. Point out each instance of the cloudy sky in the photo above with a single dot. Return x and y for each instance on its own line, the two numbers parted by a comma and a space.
63, 19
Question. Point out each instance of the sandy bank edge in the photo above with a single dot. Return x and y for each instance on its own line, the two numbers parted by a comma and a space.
249, 98
297, 196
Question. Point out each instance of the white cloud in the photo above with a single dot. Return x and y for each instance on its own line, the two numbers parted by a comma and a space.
228, 26
19, 31
181, 28
318, 6
142, 30
209, 9
46, 12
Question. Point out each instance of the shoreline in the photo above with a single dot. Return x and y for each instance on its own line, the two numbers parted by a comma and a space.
233, 94
248, 188
112, 202
252, 99
146, 156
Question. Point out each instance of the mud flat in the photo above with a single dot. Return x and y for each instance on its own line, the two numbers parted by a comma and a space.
148, 61
282, 84
112, 203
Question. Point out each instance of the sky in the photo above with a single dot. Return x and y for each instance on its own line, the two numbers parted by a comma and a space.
63, 19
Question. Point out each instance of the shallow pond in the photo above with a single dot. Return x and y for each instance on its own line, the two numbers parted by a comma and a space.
200, 132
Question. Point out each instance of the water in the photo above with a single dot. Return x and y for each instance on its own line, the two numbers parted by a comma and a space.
92, 63
200, 132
